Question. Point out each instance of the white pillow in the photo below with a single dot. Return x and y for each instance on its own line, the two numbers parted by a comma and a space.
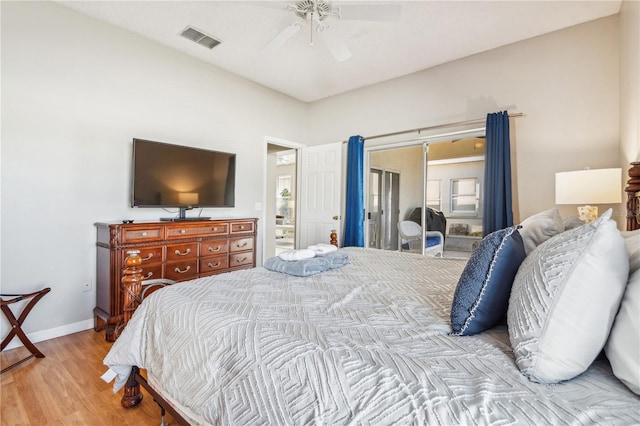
564, 299
632, 241
571, 222
623, 346
539, 228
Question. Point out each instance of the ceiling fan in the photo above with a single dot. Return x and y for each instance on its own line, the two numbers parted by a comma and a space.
318, 16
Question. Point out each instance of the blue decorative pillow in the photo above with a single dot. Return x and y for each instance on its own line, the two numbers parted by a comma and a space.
481, 298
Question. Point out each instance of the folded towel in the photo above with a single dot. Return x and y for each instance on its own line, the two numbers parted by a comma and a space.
300, 268
299, 254
336, 258
322, 248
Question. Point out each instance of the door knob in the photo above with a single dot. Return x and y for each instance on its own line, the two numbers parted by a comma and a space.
336, 217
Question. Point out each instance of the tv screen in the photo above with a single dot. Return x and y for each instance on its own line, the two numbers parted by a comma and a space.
167, 175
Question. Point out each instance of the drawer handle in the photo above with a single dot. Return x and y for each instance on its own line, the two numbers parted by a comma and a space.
149, 275
148, 257
241, 227
241, 260
210, 265
183, 231
214, 249
215, 229
244, 244
186, 252
182, 271
144, 234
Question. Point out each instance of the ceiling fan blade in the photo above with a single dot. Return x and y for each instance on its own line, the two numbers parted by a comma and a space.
370, 12
336, 46
278, 41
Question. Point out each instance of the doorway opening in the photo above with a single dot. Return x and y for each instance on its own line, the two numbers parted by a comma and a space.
281, 205
384, 209
285, 199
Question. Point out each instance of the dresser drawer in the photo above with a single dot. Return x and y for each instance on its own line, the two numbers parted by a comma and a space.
136, 235
182, 251
182, 270
240, 244
199, 230
240, 259
147, 254
151, 271
213, 263
241, 227
210, 248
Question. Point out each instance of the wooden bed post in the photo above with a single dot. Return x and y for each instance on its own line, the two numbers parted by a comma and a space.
132, 395
131, 284
633, 205
131, 288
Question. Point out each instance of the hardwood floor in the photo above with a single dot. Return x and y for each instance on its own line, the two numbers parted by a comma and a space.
65, 388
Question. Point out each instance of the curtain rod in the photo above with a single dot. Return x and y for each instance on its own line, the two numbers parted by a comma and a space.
437, 126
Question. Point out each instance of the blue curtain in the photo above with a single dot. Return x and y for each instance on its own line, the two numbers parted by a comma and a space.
354, 214
497, 212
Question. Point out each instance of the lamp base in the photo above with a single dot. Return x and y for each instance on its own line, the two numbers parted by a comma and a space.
588, 213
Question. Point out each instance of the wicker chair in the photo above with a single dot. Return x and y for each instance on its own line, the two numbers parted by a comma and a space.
412, 241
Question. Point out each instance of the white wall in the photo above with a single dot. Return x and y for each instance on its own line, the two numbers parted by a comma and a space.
75, 92
629, 83
408, 162
566, 84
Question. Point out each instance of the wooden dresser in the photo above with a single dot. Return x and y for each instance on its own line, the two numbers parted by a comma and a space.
178, 251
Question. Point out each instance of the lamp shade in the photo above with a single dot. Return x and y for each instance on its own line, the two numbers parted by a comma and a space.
188, 198
591, 186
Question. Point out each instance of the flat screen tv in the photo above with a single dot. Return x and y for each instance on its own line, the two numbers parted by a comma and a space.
175, 176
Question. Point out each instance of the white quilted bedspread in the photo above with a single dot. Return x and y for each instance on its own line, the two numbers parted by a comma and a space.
365, 344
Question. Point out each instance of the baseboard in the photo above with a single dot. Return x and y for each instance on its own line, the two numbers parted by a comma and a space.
52, 333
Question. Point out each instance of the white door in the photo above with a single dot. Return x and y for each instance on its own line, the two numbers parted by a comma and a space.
320, 193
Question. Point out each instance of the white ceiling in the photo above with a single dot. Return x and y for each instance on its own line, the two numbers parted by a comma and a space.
428, 33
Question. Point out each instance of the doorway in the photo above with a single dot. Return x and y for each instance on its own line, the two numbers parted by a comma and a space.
285, 199
280, 199
384, 209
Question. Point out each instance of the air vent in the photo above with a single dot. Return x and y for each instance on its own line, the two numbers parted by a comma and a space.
200, 37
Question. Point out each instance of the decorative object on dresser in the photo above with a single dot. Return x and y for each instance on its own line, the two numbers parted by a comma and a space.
177, 251
589, 186
458, 229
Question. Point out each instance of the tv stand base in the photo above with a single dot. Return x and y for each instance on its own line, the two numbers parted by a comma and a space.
182, 219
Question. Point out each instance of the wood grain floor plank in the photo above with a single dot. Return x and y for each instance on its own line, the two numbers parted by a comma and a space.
65, 388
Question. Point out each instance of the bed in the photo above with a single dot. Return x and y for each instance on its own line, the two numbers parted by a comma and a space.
371, 342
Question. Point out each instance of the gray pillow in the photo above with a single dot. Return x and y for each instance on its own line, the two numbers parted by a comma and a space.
571, 222
539, 228
564, 300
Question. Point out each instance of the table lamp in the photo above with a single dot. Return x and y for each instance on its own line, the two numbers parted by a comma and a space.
589, 186
188, 198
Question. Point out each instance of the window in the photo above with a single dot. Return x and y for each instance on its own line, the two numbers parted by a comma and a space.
284, 186
434, 196
464, 195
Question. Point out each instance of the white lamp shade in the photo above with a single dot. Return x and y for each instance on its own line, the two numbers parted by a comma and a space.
597, 186
188, 198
